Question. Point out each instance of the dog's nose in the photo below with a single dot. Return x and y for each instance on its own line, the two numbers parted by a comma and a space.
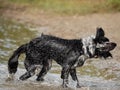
114, 44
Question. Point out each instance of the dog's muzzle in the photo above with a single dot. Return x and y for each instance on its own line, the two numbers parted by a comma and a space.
107, 46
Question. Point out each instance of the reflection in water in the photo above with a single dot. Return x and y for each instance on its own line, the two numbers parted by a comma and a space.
96, 74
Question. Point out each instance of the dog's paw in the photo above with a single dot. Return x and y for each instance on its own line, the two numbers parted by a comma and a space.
39, 79
21, 78
64, 86
78, 85
24, 77
10, 77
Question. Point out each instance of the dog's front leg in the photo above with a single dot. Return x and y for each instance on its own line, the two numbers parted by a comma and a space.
74, 77
64, 76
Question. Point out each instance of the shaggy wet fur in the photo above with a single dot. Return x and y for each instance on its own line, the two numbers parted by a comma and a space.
67, 53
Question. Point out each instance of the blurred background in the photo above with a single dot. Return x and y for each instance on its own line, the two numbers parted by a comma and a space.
22, 20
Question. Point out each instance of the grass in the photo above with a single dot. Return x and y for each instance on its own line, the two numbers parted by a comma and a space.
114, 5
69, 6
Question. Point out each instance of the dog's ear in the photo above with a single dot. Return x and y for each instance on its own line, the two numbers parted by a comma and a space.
104, 39
100, 32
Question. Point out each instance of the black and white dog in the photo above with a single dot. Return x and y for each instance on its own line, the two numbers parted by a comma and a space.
67, 53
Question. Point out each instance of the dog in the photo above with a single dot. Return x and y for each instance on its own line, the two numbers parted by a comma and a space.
68, 53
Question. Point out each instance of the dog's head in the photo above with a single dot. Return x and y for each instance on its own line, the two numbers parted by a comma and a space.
103, 44
98, 45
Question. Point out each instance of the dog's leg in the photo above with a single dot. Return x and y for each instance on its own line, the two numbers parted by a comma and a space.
29, 73
42, 74
27, 64
46, 67
74, 76
64, 76
38, 69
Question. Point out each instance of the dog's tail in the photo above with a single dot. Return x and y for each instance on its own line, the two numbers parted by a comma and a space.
13, 61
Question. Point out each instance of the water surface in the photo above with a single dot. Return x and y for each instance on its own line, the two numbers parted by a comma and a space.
96, 74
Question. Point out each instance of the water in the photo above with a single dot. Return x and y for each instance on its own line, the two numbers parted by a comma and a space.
96, 74
11, 36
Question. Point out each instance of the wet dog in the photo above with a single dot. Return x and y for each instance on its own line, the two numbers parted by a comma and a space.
67, 53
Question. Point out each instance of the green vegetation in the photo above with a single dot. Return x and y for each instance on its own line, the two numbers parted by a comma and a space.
68, 6
114, 5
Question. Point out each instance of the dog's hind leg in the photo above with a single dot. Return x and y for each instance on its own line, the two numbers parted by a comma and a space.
27, 64
29, 73
46, 67
74, 76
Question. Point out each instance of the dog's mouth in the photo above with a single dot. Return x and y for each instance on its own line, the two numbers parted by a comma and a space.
106, 47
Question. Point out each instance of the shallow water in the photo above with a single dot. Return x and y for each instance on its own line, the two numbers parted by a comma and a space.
96, 74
